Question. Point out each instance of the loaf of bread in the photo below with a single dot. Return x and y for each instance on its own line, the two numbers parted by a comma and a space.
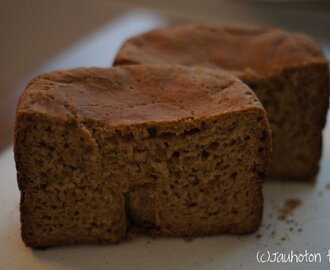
170, 150
288, 72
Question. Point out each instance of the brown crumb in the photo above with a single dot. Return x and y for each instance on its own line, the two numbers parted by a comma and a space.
189, 239
300, 230
289, 221
258, 236
288, 208
283, 238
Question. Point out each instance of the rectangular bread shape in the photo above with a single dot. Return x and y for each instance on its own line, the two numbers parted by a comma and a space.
170, 150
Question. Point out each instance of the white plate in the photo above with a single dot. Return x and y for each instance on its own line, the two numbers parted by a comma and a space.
307, 229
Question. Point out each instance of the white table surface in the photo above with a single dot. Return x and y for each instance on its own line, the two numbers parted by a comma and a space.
307, 228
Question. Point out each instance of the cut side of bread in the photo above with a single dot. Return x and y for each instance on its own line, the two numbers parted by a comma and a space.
288, 72
170, 150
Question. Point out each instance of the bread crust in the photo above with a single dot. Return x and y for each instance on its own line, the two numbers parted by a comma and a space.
263, 50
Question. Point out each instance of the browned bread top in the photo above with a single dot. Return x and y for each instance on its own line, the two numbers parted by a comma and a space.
262, 50
136, 94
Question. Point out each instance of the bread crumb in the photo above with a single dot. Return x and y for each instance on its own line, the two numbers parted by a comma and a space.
189, 239
288, 208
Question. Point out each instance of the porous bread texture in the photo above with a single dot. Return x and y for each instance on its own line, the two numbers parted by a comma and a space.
288, 72
173, 151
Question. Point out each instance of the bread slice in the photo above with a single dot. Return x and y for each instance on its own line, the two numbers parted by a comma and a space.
287, 71
171, 150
